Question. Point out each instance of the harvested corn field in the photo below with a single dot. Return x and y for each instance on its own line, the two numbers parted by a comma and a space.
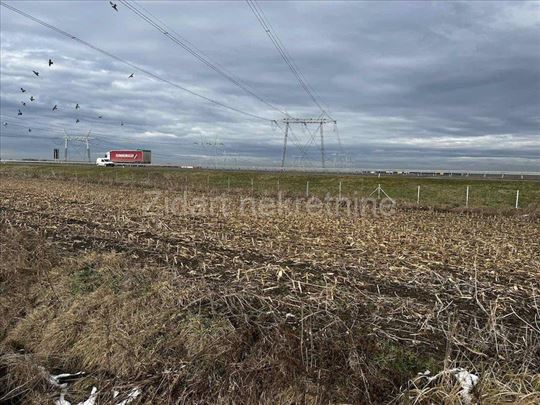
190, 298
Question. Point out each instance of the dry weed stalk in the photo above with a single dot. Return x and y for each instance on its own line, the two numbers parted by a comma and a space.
289, 308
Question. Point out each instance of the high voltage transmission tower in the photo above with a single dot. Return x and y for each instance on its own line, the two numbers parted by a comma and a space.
305, 122
85, 139
323, 119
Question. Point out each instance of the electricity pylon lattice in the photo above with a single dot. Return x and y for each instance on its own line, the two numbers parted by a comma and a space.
85, 139
305, 122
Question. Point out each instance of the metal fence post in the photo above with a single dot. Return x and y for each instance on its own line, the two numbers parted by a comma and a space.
418, 196
467, 198
339, 192
517, 199
307, 189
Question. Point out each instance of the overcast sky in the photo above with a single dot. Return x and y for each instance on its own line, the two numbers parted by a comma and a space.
452, 85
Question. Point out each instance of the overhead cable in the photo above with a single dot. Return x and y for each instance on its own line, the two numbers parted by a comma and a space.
130, 64
144, 14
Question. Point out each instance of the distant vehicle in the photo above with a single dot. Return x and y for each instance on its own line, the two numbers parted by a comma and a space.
126, 158
104, 162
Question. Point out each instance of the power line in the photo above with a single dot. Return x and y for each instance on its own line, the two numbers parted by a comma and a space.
190, 48
130, 64
257, 11
291, 59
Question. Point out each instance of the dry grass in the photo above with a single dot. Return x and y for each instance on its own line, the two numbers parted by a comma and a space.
240, 308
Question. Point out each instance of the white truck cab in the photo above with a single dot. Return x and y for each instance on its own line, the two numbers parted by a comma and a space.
104, 162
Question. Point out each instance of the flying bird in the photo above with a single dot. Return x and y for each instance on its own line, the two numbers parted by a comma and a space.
20, 113
122, 123
130, 76
29, 130
36, 73
51, 62
23, 103
77, 107
55, 107
32, 98
101, 116
113, 5
77, 121
23, 90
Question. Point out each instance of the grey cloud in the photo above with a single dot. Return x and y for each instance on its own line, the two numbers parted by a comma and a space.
405, 80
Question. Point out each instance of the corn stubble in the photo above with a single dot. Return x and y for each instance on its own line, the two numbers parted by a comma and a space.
294, 307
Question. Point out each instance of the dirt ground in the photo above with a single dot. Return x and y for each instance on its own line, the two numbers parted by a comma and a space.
208, 305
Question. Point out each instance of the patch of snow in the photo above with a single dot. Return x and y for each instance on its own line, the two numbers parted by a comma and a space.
91, 399
62, 380
134, 393
62, 400
467, 381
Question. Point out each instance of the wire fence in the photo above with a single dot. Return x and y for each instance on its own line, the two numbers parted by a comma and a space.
410, 191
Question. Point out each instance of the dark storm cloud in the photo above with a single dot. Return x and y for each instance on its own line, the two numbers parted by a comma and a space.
412, 84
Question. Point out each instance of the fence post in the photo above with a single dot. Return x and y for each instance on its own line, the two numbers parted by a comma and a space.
252, 188
307, 189
418, 196
517, 199
467, 198
379, 192
339, 192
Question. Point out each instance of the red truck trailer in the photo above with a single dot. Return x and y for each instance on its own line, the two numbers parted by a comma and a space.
132, 157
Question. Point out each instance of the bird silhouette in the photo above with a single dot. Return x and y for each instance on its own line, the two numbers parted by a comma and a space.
20, 113
23, 103
122, 123
29, 130
51, 62
77, 107
77, 121
32, 98
101, 116
113, 5
23, 90
130, 76
5, 124
55, 107
36, 73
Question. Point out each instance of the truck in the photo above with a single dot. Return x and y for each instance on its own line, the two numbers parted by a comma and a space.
126, 158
